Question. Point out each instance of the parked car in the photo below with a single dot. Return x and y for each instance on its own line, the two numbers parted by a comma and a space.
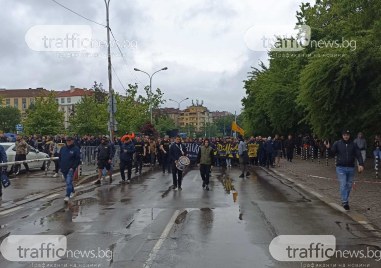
11, 137
33, 153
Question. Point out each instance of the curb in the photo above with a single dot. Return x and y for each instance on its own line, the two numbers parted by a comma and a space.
357, 217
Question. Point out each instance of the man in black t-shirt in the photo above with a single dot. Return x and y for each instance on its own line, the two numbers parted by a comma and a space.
140, 153
164, 149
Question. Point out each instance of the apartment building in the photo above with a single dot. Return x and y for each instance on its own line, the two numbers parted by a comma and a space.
21, 98
196, 115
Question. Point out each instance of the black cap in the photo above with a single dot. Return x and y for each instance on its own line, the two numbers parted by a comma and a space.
346, 132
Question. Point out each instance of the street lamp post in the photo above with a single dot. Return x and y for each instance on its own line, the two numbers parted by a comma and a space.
178, 106
150, 86
178, 102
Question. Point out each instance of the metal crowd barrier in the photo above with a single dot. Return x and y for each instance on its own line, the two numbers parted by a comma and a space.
28, 161
89, 155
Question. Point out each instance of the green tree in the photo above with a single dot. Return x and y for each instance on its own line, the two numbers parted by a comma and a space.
133, 110
343, 92
164, 124
322, 88
223, 125
9, 118
90, 117
100, 94
44, 117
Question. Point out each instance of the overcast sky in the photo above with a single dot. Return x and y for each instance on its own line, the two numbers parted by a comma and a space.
200, 41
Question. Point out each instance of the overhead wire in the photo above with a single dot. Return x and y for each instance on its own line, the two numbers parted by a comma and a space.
113, 36
72, 11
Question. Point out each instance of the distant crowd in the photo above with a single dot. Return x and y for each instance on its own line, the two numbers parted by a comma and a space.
262, 151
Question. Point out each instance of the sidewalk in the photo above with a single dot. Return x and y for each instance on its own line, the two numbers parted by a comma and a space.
365, 197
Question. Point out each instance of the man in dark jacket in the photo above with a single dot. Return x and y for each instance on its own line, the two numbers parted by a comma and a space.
269, 151
347, 152
277, 145
3, 159
175, 152
105, 155
140, 154
164, 149
205, 159
289, 145
127, 150
69, 161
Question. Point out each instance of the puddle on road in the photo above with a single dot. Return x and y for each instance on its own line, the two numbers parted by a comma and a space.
142, 218
212, 231
45, 206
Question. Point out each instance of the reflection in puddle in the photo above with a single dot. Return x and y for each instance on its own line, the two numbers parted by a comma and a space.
227, 182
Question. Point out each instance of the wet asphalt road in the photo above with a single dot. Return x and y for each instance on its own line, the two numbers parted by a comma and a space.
145, 224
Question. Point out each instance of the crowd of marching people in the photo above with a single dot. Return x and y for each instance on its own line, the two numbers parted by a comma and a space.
262, 151
136, 151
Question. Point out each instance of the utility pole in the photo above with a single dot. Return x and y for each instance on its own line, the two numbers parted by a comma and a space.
110, 91
235, 120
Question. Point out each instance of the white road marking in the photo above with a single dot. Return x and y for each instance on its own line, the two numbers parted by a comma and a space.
5, 212
49, 197
159, 243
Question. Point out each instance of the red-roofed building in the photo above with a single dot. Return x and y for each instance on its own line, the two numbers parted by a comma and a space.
67, 100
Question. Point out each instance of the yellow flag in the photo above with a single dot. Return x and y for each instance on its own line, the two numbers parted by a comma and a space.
237, 128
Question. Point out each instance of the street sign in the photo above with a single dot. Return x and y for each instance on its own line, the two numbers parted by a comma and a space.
19, 127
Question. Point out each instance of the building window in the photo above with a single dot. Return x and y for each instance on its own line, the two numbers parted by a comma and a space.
58, 101
8, 102
24, 104
16, 103
68, 100
62, 100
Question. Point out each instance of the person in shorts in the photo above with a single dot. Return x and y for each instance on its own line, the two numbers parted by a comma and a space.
105, 155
